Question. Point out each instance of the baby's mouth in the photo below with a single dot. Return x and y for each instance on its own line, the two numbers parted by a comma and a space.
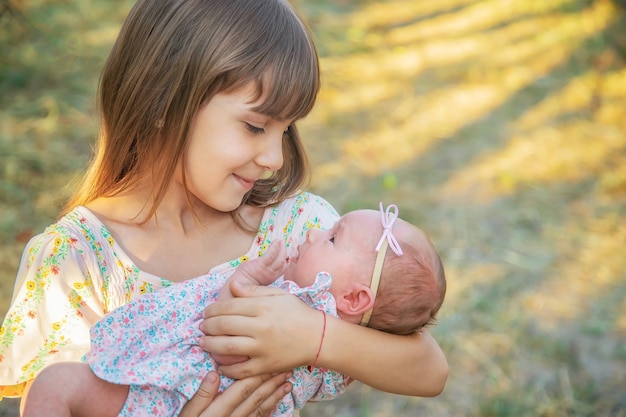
294, 259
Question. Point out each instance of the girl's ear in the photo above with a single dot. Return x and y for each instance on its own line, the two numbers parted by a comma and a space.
354, 302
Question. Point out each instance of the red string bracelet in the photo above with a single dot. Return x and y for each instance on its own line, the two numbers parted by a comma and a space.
310, 367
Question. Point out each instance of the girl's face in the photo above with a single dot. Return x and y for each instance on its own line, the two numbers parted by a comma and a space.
230, 148
344, 251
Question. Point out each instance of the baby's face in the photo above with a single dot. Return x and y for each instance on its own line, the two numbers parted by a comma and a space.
346, 251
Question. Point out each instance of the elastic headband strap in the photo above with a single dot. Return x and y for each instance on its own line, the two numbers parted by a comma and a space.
387, 218
378, 269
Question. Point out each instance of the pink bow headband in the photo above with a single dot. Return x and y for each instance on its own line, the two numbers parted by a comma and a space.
387, 217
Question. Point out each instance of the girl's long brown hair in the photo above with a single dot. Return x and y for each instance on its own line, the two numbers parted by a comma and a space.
170, 58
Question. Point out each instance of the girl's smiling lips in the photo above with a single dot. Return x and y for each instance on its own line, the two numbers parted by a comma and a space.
246, 183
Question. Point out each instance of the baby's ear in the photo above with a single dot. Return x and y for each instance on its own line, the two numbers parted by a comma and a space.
355, 301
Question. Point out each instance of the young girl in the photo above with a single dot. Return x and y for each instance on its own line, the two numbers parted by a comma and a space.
152, 341
198, 167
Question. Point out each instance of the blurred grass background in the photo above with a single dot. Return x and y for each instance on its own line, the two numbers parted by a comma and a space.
498, 126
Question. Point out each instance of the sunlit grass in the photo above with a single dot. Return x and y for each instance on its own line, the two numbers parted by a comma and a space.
570, 152
558, 140
413, 117
591, 268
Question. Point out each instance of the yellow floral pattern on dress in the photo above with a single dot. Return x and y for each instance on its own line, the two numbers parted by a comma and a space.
51, 259
74, 273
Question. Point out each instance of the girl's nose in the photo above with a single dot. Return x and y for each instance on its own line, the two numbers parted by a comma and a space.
271, 155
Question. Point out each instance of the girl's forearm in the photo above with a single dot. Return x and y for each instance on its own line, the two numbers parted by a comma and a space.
406, 365
278, 331
71, 389
24, 396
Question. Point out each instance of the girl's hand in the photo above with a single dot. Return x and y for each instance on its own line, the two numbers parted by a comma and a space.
251, 397
280, 332
274, 328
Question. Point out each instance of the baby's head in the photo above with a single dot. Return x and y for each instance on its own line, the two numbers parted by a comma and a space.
412, 285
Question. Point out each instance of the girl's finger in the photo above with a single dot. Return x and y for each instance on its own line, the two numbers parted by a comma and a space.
243, 369
203, 397
248, 301
241, 289
229, 345
232, 325
262, 400
232, 306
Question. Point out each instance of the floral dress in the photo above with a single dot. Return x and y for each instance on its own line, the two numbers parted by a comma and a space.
151, 344
75, 273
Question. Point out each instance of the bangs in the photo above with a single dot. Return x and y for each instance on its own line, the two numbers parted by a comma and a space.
286, 67
288, 87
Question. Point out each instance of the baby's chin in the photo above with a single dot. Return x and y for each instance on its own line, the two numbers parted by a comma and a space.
292, 274
289, 273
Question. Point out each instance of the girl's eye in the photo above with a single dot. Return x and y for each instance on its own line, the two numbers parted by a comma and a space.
254, 129
332, 239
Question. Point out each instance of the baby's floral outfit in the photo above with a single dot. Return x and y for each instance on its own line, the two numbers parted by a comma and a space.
151, 344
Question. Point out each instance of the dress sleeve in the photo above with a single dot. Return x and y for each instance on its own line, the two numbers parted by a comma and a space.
321, 215
301, 213
53, 305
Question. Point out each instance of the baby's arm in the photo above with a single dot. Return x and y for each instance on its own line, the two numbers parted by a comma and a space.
70, 389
